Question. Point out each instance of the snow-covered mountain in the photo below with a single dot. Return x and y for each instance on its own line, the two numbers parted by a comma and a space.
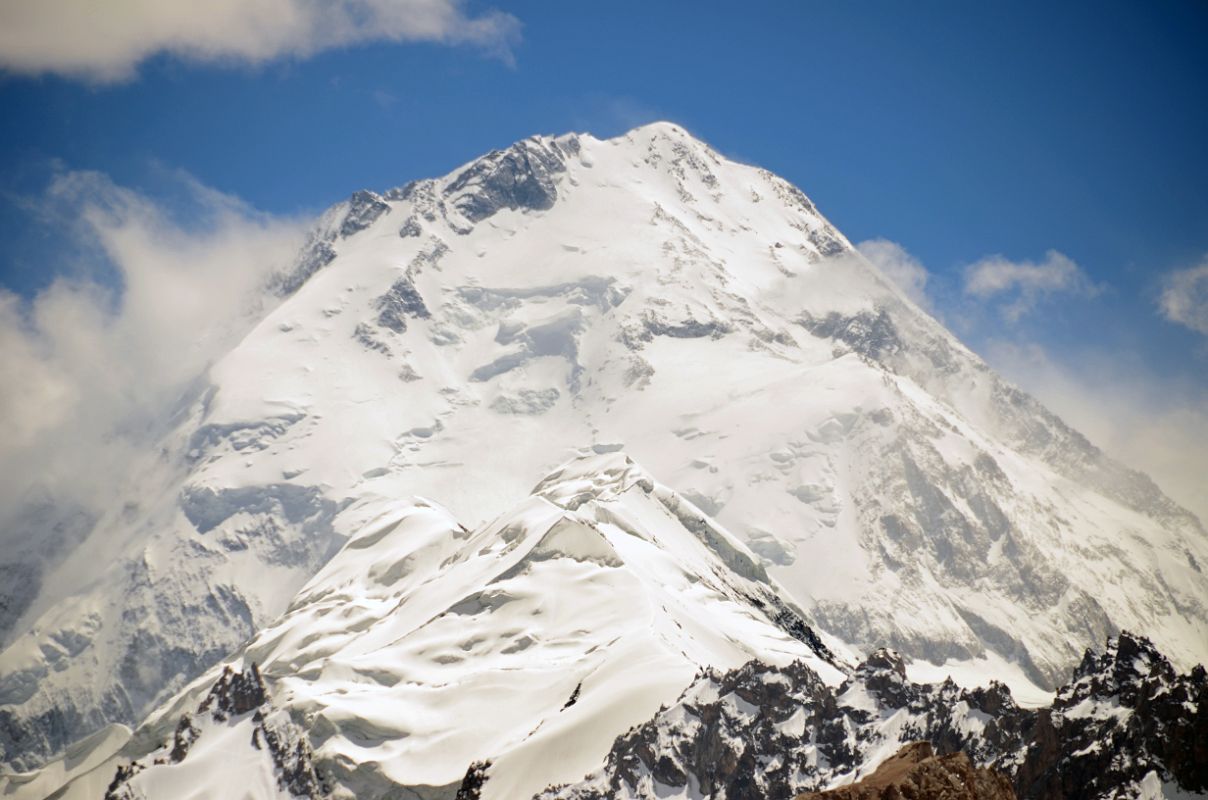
459, 338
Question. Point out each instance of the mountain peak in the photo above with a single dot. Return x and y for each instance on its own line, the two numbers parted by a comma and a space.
660, 128
826, 453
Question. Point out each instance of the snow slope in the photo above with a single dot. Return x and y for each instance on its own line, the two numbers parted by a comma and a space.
458, 338
532, 642
237, 744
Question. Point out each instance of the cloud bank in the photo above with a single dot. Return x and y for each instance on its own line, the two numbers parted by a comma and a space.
1184, 299
1025, 283
89, 370
105, 41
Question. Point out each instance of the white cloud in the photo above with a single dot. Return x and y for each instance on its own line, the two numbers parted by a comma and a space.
906, 271
1025, 282
1184, 298
1149, 422
89, 372
106, 41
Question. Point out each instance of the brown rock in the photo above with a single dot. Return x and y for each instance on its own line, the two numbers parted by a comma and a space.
916, 773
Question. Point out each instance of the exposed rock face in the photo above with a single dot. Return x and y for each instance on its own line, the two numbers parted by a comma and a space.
47, 533
354, 215
520, 177
871, 335
916, 773
235, 693
316, 254
237, 699
244, 436
400, 302
1127, 720
1126, 714
471, 784
207, 508
364, 209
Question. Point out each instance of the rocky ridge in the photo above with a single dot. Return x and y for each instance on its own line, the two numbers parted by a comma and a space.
238, 701
1125, 724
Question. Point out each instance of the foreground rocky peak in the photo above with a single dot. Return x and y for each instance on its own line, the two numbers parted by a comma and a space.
916, 773
763, 731
756, 731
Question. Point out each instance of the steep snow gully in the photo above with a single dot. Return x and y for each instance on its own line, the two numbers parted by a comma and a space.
783, 525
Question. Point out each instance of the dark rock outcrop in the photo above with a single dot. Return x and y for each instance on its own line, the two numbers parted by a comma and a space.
472, 783
398, 303
364, 209
234, 694
1127, 713
206, 508
520, 177
316, 254
356, 214
524, 176
236, 698
870, 334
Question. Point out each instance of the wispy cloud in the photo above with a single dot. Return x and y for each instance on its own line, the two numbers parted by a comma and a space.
106, 41
1152, 423
92, 367
895, 263
384, 99
1184, 299
1025, 283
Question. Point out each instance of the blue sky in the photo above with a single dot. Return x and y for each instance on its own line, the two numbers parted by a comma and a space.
957, 131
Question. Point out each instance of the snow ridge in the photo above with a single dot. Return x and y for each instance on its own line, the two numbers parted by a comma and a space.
423, 647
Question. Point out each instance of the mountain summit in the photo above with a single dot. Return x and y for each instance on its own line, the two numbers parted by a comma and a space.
838, 472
